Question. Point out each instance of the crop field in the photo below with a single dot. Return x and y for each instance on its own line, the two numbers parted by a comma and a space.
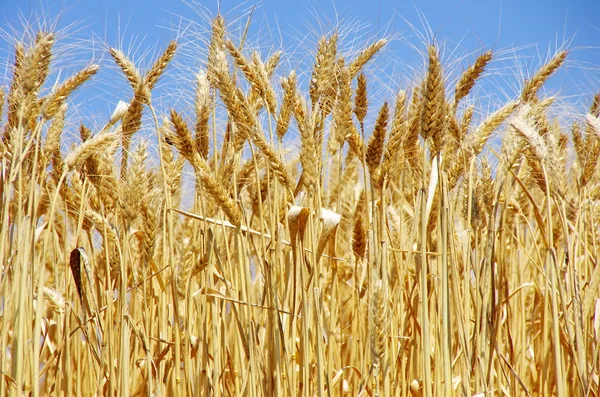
288, 232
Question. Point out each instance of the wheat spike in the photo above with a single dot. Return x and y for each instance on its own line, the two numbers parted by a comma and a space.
217, 191
359, 233
342, 111
376, 142
365, 56
51, 149
411, 142
232, 97
99, 143
84, 133
330, 75
469, 77
578, 143
465, 121
132, 119
266, 89
247, 172
287, 106
203, 109
245, 65
308, 146
393, 154
272, 63
173, 166
543, 74
15, 86
433, 102
322, 75
479, 137
356, 143
380, 326
127, 67
454, 133
134, 186
528, 132
37, 64
160, 65
587, 150
58, 97
474, 142
216, 46
361, 102
182, 140
150, 214
537, 152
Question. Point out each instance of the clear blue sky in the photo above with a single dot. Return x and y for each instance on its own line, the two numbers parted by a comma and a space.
535, 28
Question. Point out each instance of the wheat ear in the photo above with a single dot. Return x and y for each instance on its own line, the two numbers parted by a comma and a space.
433, 102
543, 74
376, 142
469, 77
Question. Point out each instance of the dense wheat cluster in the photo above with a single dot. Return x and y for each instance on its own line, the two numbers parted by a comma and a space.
383, 258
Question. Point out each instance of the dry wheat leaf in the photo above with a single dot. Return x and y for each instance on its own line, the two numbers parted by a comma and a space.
331, 220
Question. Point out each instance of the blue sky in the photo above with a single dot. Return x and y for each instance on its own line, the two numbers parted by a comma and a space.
522, 33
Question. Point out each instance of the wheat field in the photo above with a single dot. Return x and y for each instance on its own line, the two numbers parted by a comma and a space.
395, 250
